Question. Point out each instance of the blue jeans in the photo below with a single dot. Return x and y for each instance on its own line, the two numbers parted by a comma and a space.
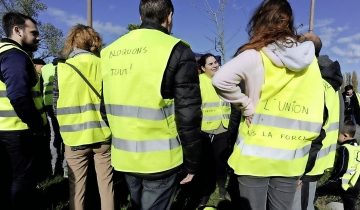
151, 194
266, 193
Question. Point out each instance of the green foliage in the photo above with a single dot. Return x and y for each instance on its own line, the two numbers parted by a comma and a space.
131, 27
51, 37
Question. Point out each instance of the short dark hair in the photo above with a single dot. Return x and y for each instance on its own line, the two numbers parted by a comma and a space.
202, 61
349, 87
38, 61
349, 128
155, 10
12, 19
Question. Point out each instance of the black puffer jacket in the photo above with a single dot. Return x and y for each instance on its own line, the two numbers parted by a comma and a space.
181, 83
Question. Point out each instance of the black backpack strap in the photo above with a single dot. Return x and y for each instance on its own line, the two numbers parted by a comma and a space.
84, 78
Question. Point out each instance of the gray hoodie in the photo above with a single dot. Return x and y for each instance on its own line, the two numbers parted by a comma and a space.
247, 67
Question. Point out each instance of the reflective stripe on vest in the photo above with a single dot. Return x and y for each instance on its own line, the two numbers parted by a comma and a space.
144, 135
145, 146
215, 111
140, 112
326, 156
9, 120
286, 120
352, 173
78, 108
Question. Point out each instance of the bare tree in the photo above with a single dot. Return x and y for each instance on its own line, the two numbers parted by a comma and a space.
354, 81
216, 16
347, 79
51, 37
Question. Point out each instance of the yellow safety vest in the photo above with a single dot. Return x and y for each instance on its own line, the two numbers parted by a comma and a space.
326, 156
78, 107
9, 120
215, 111
286, 120
357, 96
352, 173
47, 73
143, 125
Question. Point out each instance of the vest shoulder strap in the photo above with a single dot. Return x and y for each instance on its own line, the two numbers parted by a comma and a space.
84, 78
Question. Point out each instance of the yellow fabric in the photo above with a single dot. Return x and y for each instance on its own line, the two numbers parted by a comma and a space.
287, 118
213, 116
352, 174
11, 121
133, 69
326, 155
84, 124
47, 73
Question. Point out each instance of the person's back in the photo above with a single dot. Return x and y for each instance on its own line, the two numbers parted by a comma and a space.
344, 177
280, 116
155, 116
79, 112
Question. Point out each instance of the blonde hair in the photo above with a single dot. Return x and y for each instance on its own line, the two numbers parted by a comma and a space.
82, 37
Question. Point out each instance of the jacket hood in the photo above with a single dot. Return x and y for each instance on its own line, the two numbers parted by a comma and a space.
330, 71
295, 57
78, 51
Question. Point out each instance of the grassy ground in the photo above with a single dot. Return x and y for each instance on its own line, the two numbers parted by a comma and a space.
54, 196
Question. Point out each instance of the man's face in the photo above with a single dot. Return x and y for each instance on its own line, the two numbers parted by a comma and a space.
349, 92
30, 36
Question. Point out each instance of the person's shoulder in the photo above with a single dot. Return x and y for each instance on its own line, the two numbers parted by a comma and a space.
250, 57
182, 51
182, 46
15, 54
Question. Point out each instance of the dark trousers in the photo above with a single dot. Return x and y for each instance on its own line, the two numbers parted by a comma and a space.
219, 144
42, 160
151, 194
17, 177
58, 144
348, 197
212, 170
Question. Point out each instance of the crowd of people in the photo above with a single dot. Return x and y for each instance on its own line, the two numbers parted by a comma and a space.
262, 128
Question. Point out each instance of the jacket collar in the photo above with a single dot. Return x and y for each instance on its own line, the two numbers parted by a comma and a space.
12, 42
351, 142
152, 25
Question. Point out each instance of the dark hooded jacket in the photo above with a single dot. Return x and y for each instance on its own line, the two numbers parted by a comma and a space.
331, 73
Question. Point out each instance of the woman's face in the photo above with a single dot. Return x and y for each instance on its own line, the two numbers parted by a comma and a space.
211, 66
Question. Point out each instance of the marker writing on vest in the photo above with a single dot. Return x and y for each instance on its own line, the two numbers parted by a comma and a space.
134, 51
291, 137
327, 86
293, 107
267, 134
286, 106
121, 72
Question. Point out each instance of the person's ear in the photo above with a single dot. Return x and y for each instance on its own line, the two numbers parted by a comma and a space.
203, 69
17, 31
170, 18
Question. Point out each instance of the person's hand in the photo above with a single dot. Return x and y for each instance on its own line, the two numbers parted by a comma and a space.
299, 184
248, 120
187, 179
